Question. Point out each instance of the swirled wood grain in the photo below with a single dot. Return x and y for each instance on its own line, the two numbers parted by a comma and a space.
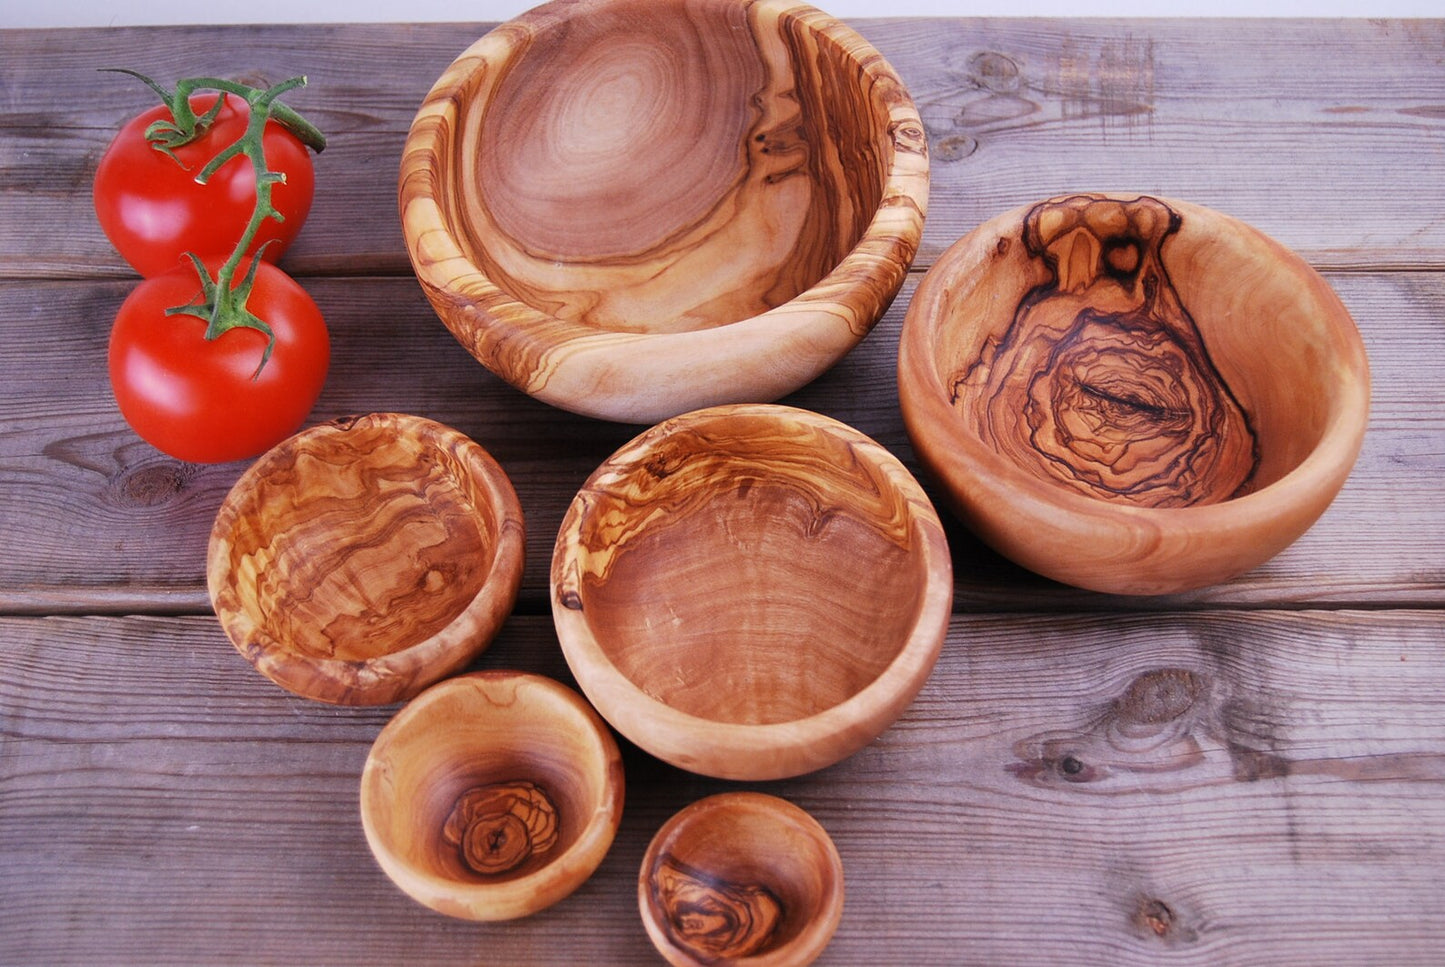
362, 560
747, 178
1132, 394
1103, 382
751, 590
498, 826
741, 877
492, 795
718, 918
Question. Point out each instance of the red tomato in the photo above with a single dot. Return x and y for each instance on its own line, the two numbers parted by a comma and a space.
153, 211
195, 398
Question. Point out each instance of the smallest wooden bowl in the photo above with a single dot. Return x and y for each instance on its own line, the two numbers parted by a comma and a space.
751, 591
741, 878
362, 560
492, 795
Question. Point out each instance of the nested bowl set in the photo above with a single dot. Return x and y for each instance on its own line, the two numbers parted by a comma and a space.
704, 207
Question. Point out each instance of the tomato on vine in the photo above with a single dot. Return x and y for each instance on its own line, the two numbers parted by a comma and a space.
222, 358
154, 210
212, 401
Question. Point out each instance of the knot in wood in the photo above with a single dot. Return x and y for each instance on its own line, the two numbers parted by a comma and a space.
152, 485
498, 827
1160, 696
995, 72
1155, 916
717, 918
954, 147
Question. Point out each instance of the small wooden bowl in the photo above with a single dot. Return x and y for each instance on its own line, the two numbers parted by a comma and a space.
751, 591
741, 878
492, 795
631, 208
1131, 394
362, 560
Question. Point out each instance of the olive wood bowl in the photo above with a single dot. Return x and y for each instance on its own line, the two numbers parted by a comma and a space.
741, 878
492, 795
634, 208
1131, 394
362, 560
751, 591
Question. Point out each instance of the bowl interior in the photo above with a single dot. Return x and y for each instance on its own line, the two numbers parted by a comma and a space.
748, 569
648, 167
487, 782
359, 543
742, 875
1142, 351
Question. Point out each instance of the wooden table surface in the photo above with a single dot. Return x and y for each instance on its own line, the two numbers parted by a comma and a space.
160, 802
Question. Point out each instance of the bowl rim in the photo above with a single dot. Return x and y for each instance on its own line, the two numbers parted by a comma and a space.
977, 480
781, 749
798, 340
515, 897
400, 674
816, 933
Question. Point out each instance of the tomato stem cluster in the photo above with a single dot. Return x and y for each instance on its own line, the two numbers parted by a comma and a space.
222, 302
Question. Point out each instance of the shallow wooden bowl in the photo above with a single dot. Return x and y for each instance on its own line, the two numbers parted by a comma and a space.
741, 878
751, 591
1131, 394
492, 795
635, 208
363, 559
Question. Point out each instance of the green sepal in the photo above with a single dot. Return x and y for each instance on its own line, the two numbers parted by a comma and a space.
223, 308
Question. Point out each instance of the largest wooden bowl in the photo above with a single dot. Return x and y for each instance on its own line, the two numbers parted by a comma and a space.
751, 591
635, 208
1132, 394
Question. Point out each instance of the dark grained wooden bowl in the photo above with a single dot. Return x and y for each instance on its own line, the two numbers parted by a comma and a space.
635, 208
751, 591
1132, 394
362, 560
741, 878
492, 795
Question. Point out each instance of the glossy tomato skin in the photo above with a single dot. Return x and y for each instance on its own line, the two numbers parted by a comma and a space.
154, 212
194, 398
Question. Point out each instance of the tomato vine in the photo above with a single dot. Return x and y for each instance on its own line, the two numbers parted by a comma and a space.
222, 301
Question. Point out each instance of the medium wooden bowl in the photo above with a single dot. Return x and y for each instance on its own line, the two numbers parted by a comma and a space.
492, 795
741, 878
634, 208
1131, 394
362, 560
751, 591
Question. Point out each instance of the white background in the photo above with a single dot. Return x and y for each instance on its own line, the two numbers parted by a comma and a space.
103, 13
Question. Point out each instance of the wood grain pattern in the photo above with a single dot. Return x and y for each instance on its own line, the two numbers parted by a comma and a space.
361, 560
70, 470
741, 877
1129, 394
497, 826
1014, 109
705, 202
697, 590
202, 815
1103, 381
493, 795
1247, 773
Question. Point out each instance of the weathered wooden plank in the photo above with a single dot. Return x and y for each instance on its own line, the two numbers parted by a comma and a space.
1325, 134
1208, 789
97, 520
